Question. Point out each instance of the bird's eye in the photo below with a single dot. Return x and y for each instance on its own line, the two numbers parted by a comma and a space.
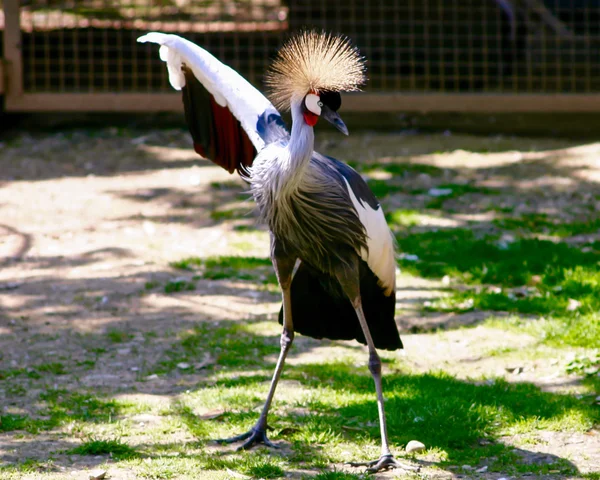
320, 104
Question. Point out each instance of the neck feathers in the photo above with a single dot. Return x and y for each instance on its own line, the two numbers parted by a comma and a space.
301, 145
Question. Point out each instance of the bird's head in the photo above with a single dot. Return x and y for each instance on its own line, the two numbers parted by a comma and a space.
311, 70
324, 105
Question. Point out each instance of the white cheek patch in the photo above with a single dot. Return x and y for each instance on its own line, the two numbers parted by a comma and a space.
313, 103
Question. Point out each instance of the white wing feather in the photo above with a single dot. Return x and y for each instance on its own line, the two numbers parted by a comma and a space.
228, 87
380, 256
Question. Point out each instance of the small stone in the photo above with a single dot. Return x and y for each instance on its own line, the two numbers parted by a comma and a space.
97, 474
183, 365
482, 469
504, 478
467, 467
414, 446
154, 376
573, 305
439, 192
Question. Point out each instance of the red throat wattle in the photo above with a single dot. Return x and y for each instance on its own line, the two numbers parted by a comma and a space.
310, 118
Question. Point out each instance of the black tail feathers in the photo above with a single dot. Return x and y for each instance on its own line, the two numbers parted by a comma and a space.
321, 310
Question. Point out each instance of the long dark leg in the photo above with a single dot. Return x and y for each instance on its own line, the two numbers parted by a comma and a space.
348, 276
284, 268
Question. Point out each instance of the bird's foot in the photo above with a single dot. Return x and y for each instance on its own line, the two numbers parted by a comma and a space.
254, 437
385, 462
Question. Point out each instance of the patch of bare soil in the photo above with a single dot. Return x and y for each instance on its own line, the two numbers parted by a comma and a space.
89, 221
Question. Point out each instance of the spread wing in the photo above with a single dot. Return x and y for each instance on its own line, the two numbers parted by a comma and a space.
228, 118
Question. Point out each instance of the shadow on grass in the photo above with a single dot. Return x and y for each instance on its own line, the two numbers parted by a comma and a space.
462, 420
473, 258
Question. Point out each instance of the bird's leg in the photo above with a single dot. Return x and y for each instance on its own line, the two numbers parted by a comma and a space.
348, 277
258, 434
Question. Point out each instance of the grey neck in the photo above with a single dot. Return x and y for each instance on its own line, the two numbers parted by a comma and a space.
302, 141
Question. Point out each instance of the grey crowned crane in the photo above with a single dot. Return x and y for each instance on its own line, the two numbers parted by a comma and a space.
331, 248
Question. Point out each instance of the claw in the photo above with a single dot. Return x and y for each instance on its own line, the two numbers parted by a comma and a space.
385, 462
253, 438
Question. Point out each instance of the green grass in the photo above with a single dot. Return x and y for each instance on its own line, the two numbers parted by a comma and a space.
115, 448
402, 169
58, 407
231, 213
179, 286
541, 223
54, 368
225, 344
531, 276
456, 190
119, 336
226, 267
430, 407
473, 259
213, 371
383, 188
402, 217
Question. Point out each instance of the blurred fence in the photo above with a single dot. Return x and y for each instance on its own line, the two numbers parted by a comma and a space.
424, 55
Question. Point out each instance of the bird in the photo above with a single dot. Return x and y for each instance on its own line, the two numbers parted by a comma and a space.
331, 248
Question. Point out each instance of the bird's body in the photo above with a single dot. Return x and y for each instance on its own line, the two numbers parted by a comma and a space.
305, 207
330, 245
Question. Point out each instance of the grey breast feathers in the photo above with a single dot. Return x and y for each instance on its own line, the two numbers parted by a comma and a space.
316, 220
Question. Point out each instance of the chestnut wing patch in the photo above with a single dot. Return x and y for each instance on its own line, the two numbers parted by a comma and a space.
217, 134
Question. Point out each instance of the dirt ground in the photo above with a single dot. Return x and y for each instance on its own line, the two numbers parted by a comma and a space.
88, 218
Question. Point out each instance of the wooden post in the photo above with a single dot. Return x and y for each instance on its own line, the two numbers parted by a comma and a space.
12, 52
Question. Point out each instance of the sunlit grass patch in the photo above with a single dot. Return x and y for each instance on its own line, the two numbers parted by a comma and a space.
58, 407
115, 448
402, 217
448, 415
232, 213
488, 259
54, 368
25, 465
526, 275
228, 344
449, 191
238, 267
575, 330
541, 223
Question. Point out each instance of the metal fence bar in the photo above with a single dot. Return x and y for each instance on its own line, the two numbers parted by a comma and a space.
424, 55
12, 52
362, 102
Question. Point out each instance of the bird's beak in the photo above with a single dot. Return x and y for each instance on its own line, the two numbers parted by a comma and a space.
333, 118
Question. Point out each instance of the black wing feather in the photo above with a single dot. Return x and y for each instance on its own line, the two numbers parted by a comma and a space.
321, 310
